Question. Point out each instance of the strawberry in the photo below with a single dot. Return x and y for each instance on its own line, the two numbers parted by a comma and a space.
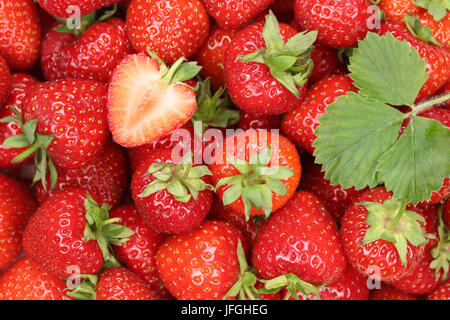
61, 8
20, 85
234, 13
211, 55
17, 205
340, 23
24, 280
326, 63
138, 254
256, 173
201, 265
93, 55
105, 177
301, 239
446, 213
335, 199
171, 29
397, 9
383, 236
437, 58
20, 33
283, 9
267, 66
70, 229
443, 91
147, 100
171, 195
258, 121
441, 293
299, 125
390, 293
5, 80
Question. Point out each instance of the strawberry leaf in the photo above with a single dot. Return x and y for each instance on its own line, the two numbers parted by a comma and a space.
387, 70
437, 8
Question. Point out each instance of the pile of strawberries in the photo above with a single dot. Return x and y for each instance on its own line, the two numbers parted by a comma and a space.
165, 149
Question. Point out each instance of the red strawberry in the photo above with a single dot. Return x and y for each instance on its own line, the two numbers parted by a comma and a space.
300, 238
138, 254
387, 218
147, 101
235, 13
201, 265
335, 199
326, 63
17, 205
446, 213
171, 29
121, 284
283, 9
264, 181
20, 85
93, 55
172, 196
437, 58
258, 121
443, 91
5, 80
441, 293
24, 280
211, 55
259, 83
341, 23
390, 293
61, 8
20, 33
299, 124
69, 229
105, 177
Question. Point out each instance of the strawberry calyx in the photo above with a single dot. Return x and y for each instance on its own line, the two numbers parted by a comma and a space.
390, 221
290, 62
183, 181
245, 285
212, 109
293, 285
104, 230
437, 8
256, 182
424, 33
35, 143
441, 253
86, 290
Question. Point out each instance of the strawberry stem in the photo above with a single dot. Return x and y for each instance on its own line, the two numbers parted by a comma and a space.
427, 104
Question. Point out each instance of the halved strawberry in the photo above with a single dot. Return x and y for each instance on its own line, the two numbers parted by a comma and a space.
147, 100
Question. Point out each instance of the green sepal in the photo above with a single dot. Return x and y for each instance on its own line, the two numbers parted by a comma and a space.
100, 228
437, 8
289, 62
423, 33
390, 221
86, 290
183, 181
85, 23
255, 183
212, 110
293, 284
180, 71
441, 253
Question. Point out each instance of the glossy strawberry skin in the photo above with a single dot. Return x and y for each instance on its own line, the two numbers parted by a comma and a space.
73, 110
105, 177
24, 280
284, 154
138, 254
93, 55
53, 236
59, 8
201, 265
5, 80
326, 63
20, 33
121, 284
300, 238
341, 23
17, 205
21, 83
211, 55
335, 199
390, 293
437, 58
171, 29
380, 253
250, 120
441, 293
250, 84
299, 124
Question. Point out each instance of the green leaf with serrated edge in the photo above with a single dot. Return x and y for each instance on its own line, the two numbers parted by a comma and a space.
387, 70
351, 137
416, 165
18, 141
232, 194
271, 33
437, 8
